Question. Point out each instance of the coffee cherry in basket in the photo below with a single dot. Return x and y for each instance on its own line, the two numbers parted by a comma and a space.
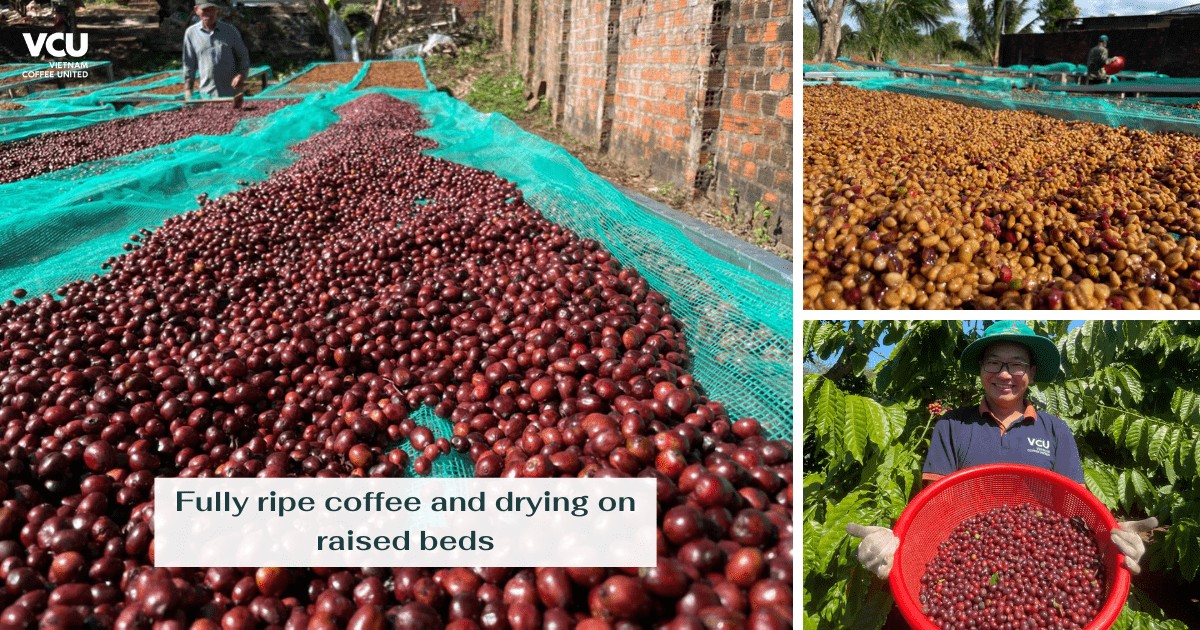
1020, 566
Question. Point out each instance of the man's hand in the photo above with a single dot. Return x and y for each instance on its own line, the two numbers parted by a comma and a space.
877, 549
237, 81
1126, 538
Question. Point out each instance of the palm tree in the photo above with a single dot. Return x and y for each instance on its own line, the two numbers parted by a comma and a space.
884, 25
988, 20
946, 38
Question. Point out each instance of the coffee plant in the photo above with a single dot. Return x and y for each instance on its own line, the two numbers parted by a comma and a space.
1129, 390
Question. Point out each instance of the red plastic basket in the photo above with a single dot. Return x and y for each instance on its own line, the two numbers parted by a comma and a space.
934, 513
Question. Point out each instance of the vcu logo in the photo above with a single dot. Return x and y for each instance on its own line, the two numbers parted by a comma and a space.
1039, 446
57, 44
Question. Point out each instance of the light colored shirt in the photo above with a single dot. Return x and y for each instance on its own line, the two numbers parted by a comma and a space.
214, 58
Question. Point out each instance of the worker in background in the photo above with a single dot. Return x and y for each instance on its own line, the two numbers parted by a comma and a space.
214, 53
64, 15
1096, 60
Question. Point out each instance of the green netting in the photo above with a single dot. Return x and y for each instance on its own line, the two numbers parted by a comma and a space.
17, 71
43, 109
451, 465
19, 130
1052, 68
154, 79
290, 86
738, 326
849, 75
61, 226
1131, 113
1144, 76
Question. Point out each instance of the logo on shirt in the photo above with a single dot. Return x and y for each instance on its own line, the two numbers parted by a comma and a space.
1039, 446
57, 44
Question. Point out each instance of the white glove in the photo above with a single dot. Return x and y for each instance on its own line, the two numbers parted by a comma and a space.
1126, 538
877, 549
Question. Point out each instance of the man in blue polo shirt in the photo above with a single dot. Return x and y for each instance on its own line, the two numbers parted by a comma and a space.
1003, 428
214, 54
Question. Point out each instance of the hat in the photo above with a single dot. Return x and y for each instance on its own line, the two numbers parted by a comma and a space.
1043, 351
204, 4
1104, 38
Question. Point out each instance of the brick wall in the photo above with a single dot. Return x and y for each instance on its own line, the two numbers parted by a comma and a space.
697, 92
469, 10
661, 59
585, 81
754, 142
523, 39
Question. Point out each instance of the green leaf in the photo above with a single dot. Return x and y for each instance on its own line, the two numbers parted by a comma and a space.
994, 579
1123, 384
1142, 488
1185, 404
1196, 454
1101, 483
833, 531
827, 412
863, 419
825, 339
1185, 538
1135, 436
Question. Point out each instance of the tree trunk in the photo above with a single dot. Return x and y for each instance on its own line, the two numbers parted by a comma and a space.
828, 14
377, 29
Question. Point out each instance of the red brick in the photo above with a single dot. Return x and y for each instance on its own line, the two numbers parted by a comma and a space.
747, 149
770, 32
749, 170
779, 82
785, 108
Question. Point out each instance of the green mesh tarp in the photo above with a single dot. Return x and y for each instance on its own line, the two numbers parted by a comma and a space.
1052, 68
452, 464
144, 81
739, 327
1130, 113
19, 130
294, 84
59, 227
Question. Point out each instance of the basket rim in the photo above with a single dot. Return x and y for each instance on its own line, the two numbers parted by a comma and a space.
911, 610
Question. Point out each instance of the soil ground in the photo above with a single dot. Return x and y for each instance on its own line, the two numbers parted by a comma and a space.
130, 36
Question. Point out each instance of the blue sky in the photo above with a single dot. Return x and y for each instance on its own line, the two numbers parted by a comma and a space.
1087, 8
1091, 8
882, 352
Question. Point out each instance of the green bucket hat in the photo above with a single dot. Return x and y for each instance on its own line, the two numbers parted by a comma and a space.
1043, 351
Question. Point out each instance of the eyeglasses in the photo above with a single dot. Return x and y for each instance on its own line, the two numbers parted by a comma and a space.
995, 366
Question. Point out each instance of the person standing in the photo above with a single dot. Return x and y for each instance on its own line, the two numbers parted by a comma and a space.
1004, 427
1097, 58
214, 54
